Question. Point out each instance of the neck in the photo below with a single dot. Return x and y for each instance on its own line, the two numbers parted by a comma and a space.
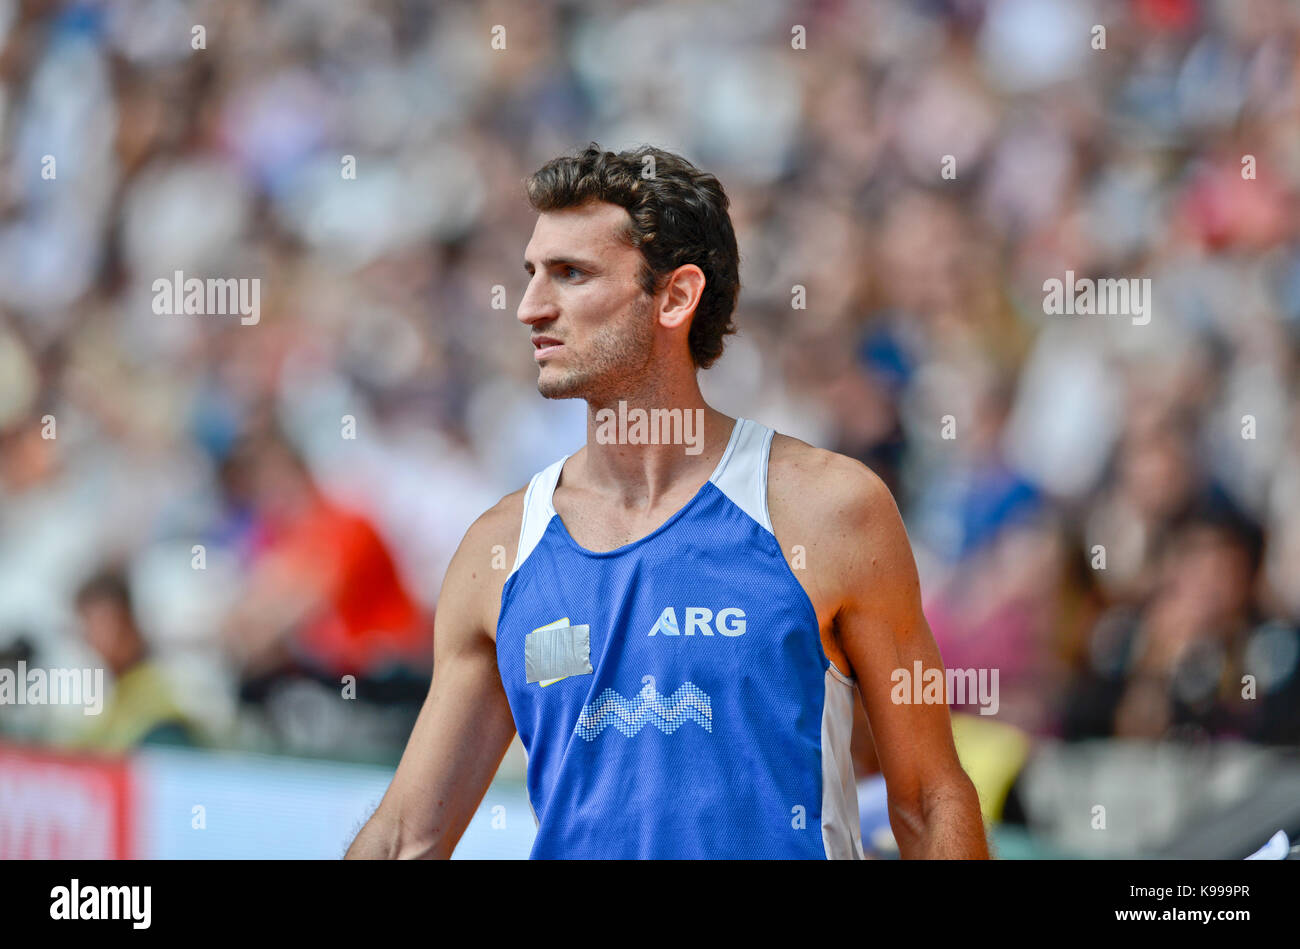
648, 441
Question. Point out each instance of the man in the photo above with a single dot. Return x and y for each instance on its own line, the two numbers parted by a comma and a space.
325, 598
686, 624
142, 710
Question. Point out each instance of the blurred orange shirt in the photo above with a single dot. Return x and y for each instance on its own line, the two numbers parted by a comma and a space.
370, 617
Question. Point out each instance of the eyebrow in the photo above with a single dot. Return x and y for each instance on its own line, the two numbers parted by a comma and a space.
578, 262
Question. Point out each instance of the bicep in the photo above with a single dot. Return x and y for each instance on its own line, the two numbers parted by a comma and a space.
884, 634
463, 729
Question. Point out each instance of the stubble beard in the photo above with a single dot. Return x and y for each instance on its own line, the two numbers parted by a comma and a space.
615, 360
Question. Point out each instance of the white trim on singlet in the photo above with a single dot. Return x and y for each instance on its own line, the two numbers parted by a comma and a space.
538, 510
841, 822
742, 473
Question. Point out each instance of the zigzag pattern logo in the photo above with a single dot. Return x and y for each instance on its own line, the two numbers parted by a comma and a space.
648, 707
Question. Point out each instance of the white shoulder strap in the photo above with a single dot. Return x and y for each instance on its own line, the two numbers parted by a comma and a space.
538, 510
742, 473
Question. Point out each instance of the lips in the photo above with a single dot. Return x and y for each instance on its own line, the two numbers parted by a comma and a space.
545, 346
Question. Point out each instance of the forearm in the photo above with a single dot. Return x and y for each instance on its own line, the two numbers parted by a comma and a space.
386, 838
946, 824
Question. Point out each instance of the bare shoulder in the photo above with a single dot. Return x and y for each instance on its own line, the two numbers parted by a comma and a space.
478, 571
823, 489
497, 527
841, 533
845, 518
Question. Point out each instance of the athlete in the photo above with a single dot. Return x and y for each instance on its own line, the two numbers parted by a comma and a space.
688, 613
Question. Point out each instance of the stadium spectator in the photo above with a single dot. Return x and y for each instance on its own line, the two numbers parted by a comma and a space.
141, 708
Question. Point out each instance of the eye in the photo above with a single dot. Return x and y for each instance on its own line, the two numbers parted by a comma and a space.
572, 273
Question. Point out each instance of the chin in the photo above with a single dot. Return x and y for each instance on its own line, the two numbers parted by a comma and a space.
557, 385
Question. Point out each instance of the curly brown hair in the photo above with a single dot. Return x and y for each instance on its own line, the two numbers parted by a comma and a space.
678, 216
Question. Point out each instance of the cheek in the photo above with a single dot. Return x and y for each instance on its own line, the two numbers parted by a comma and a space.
612, 324
99, 639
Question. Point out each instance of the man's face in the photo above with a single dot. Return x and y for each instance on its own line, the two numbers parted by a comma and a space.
108, 631
592, 326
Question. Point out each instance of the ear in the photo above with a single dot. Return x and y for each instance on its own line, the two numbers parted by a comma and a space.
682, 293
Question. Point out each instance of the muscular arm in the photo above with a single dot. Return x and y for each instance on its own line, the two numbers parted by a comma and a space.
867, 584
465, 726
933, 808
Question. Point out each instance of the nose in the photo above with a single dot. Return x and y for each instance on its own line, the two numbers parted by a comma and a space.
537, 305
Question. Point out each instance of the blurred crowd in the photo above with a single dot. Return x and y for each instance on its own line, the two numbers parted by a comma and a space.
234, 518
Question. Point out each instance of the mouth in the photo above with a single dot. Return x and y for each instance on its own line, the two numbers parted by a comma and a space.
545, 347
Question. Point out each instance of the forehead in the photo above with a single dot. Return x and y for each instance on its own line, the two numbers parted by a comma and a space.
589, 230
